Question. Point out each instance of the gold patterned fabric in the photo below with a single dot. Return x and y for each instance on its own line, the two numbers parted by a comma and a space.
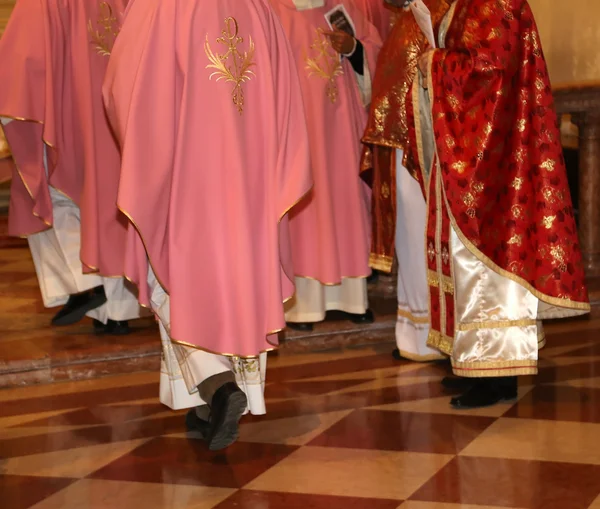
387, 128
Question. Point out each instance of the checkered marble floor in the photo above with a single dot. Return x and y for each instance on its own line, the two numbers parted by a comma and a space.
345, 429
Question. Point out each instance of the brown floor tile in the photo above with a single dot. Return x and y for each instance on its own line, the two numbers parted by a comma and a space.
22, 492
246, 499
413, 504
81, 437
77, 399
403, 431
308, 388
351, 472
100, 494
74, 463
513, 483
349, 400
292, 431
528, 439
559, 403
441, 405
187, 461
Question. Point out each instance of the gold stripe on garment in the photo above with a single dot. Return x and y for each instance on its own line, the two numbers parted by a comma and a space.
422, 358
225, 354
402, 313
418, 131
494, 368
440, 342
495, 324
381, 262
433, 279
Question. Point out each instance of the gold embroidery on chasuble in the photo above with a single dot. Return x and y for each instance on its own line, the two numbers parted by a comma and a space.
104, 32
233, 66
325, 64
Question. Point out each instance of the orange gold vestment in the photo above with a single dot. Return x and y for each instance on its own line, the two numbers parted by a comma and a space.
388, 124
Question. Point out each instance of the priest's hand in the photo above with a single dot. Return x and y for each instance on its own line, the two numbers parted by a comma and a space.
341, 41
422, 63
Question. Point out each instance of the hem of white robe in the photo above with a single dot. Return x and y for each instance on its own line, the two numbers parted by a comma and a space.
183, 368
497, 315
320, 300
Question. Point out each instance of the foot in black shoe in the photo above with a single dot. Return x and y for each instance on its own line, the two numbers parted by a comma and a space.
456, 383
365, 318
112, 327
117, 327
78, 305
487, 392
373, 278
299, 326
227, 407
397, 355
193, 423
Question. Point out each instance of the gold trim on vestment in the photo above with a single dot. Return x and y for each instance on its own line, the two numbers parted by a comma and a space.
488, 369
430, 357
381, 262
495, 324
581, 307
214, 352
433, 279
440, 341
402, 313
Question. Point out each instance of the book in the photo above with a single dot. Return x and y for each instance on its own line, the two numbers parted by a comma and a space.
339, 18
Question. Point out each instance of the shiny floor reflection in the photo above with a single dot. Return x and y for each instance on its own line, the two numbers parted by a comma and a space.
345, 429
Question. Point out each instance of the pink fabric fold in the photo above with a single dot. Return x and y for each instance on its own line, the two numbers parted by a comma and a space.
54, 55
210, 169
331, 227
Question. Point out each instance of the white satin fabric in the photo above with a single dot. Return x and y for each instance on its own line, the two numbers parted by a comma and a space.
183, 367
313, 299
412, 326
496, 326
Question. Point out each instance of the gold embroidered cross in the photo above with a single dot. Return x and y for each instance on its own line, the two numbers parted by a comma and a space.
103, 37
239, 69
325, 64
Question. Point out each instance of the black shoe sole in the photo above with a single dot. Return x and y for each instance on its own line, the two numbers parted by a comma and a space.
364, 319
503, 399
301, 327
77, 314
228, 431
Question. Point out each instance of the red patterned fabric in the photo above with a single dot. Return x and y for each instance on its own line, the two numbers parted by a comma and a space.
499, 149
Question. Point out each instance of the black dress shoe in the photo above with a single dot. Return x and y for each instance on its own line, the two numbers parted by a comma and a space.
227, 407
78, 305
195, 424
457, 383
397, 355
373, 278
487, 392
112, 327
365, 318
300, 326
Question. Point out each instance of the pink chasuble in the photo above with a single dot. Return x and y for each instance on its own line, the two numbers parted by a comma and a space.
331, 227
205, 100
54, 55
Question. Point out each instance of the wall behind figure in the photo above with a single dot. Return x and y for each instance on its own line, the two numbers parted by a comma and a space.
570, 35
